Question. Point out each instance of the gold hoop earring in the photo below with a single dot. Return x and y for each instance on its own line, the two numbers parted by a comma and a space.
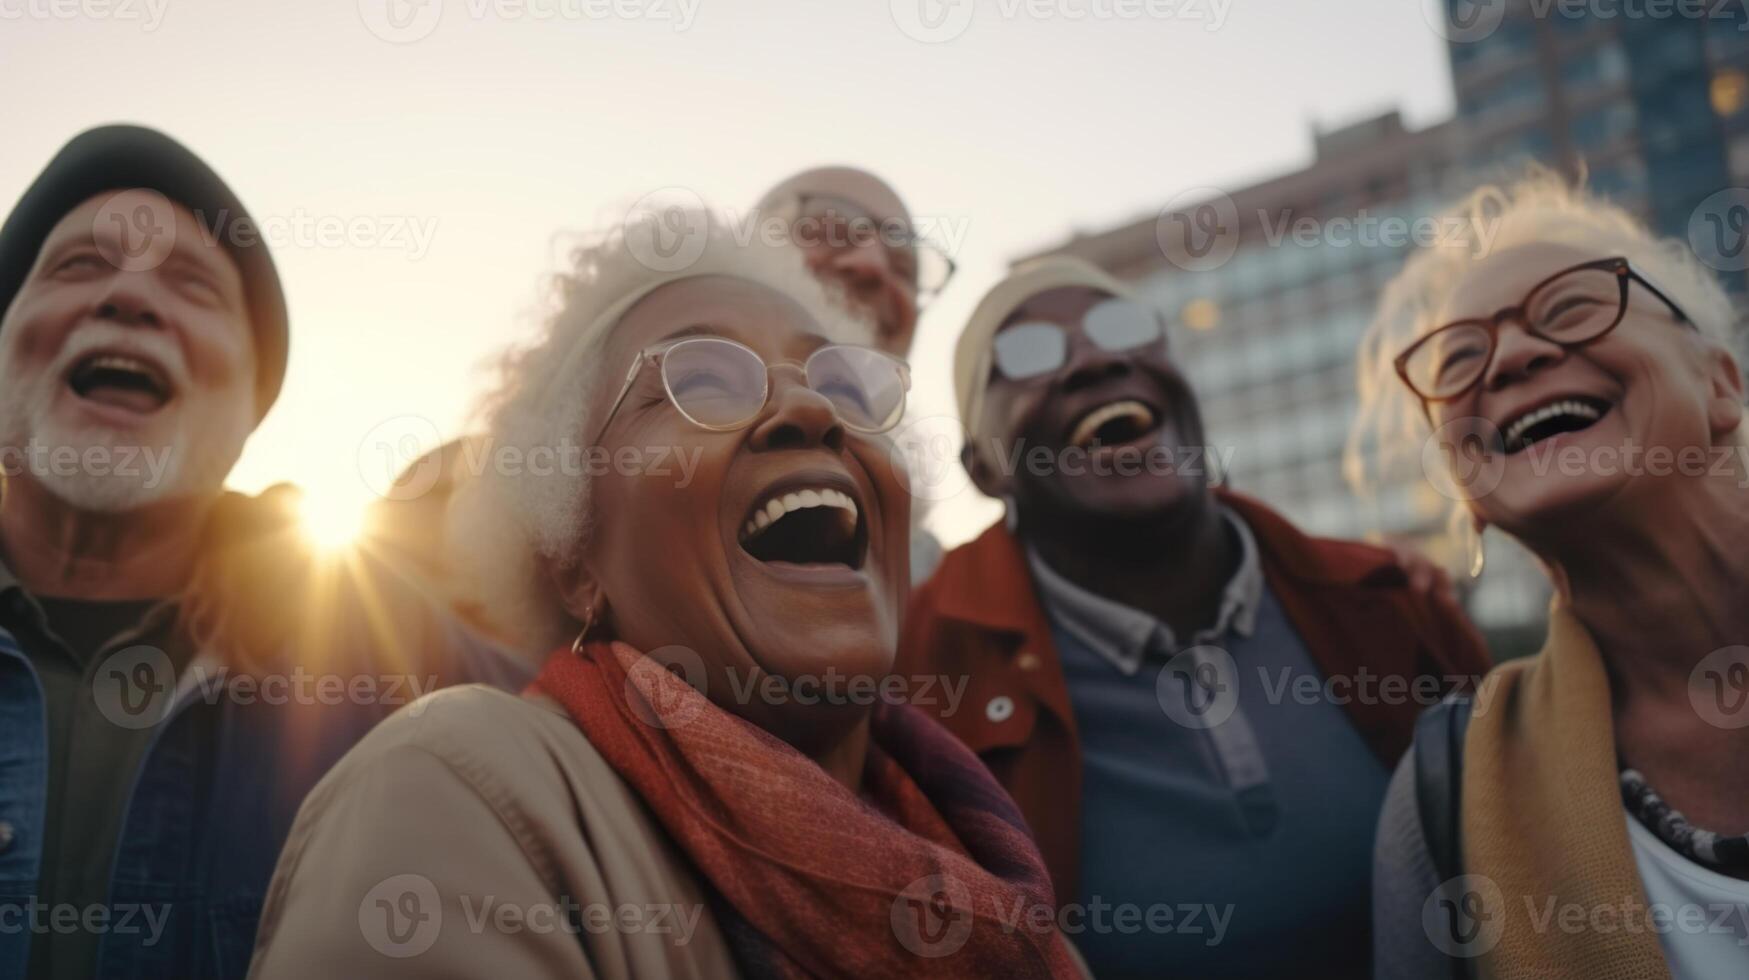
1478, 557
583, 634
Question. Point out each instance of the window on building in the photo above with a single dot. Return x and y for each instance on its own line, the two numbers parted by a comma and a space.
1605, 64
1517, 95
1603, 127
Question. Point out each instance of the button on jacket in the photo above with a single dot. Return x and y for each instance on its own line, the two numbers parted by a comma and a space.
980, 619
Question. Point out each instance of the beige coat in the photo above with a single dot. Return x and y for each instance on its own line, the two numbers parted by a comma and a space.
478, 834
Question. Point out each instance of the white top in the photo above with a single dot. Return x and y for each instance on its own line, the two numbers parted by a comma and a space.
1702, 917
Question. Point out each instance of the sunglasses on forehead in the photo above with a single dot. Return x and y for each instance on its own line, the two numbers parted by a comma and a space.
1031, 348
720, 385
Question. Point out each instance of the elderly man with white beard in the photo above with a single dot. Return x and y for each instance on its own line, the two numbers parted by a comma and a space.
177, 667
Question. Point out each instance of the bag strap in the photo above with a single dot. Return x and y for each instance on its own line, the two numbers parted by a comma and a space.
1439, 780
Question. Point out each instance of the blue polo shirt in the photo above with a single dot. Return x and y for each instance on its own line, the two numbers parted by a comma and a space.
1228, 805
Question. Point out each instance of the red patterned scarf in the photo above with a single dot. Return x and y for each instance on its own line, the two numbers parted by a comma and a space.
936, 877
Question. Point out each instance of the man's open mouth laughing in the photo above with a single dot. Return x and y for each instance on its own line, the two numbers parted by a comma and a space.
124, 381
1124, 422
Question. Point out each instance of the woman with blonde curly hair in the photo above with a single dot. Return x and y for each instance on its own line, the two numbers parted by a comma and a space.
691, 477
1589, 807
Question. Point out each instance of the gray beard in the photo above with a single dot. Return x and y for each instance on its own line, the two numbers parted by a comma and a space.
105, 472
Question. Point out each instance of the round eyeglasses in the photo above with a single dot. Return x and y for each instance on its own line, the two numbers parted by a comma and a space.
833, 223
721, 385
1572, 308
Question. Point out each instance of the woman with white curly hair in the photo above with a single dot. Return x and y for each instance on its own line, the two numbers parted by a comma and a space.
1589, 807
709, 780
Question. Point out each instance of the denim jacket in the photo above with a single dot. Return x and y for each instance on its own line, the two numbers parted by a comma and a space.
230, 760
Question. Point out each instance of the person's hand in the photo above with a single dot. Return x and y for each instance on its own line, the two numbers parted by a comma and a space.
1425, 577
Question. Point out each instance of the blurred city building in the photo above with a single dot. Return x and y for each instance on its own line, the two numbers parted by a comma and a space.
1270, 286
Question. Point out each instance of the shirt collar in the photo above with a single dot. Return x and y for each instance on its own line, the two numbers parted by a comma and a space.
1123, 635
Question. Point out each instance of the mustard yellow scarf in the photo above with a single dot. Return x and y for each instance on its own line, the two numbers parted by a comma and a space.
1543, 822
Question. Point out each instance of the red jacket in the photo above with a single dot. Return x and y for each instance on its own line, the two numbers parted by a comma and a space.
978, 617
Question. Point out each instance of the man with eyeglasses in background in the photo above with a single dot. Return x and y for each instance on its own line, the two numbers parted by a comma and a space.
859, 239
1196, 705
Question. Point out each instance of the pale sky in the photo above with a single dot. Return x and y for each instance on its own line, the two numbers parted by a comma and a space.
422, 189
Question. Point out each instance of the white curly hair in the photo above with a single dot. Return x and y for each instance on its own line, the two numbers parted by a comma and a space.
503, 526
1537, 205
